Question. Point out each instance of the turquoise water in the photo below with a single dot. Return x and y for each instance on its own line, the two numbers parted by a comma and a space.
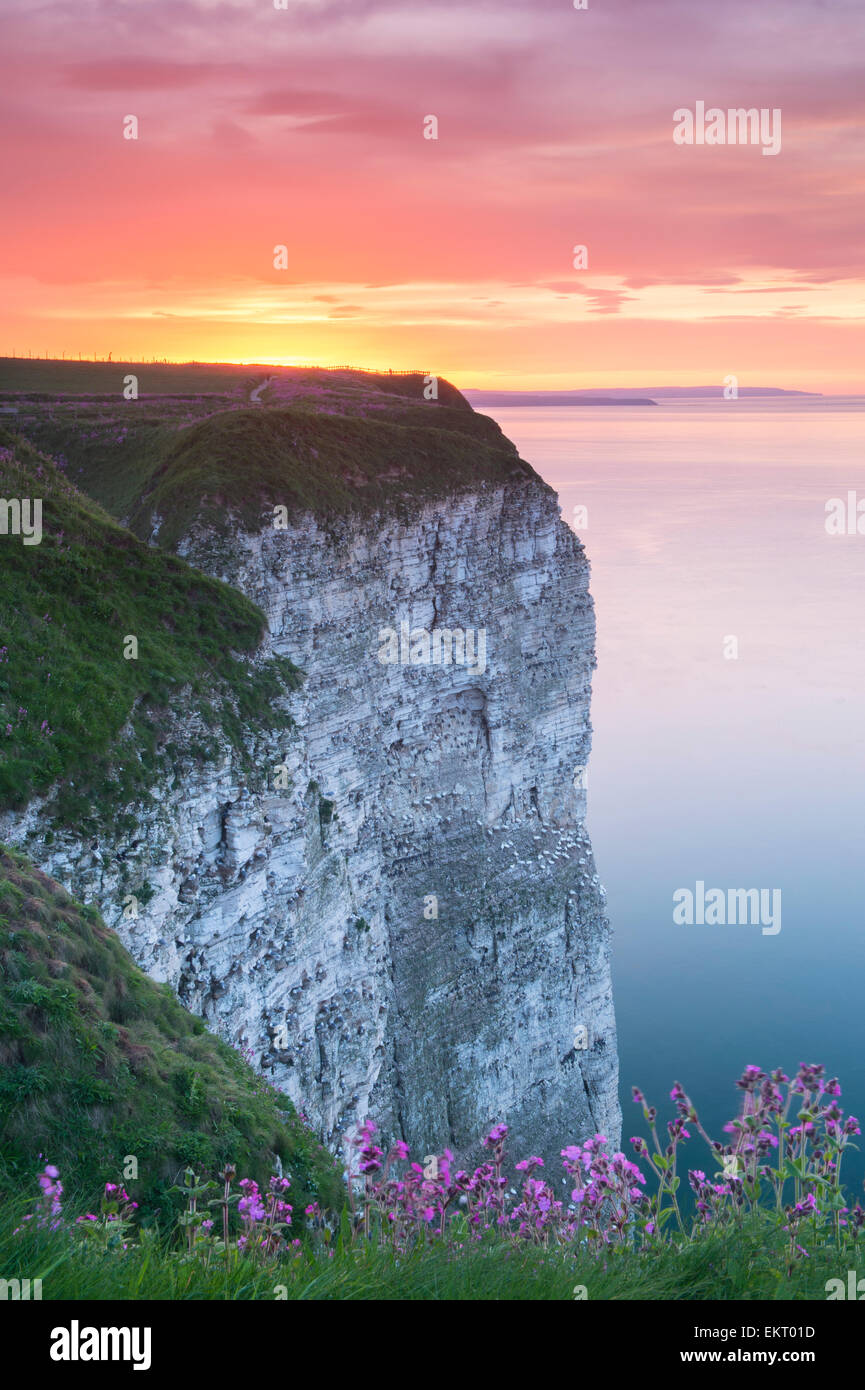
707, 522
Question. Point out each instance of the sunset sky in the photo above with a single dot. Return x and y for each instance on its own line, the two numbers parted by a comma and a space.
304, 127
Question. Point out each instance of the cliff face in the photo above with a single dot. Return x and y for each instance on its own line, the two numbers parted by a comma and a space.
401, 915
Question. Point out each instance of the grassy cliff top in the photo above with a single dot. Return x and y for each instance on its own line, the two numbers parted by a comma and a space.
331, 442
98, 1063
68, 606
232, 381
239, 466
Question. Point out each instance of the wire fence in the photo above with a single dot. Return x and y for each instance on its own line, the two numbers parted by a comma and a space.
367, 371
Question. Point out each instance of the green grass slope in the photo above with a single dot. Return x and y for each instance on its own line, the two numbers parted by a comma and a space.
106, 449
239, 465
73, 709
97, 1063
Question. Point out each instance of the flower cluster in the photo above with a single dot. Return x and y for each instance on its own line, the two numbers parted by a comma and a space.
401, 1204
607, 1190
111, 1227
418, 1202
264, 1217
609, 1202
50, 1213
765, 1153
435, 1200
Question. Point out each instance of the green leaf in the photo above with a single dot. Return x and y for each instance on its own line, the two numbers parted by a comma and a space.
345, 1231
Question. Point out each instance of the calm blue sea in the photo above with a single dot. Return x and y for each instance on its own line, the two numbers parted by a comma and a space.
706, 522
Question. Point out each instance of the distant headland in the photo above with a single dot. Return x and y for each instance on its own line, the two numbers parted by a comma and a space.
618, 396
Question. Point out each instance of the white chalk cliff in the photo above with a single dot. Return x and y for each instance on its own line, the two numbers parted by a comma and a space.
295, 911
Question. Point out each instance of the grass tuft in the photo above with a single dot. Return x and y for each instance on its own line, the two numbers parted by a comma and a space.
79, 713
